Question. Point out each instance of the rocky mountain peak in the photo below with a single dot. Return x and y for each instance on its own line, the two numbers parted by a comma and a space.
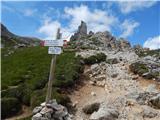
81, 32
104, 39
5, 32
82, 29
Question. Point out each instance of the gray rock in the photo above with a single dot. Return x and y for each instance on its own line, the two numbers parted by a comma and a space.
61, 113
155, 101
152, 88
89, 109
37, 109
58, 107
149, 112
52, 111
46, 110
105, 113
114, 75
37, 116
144, 98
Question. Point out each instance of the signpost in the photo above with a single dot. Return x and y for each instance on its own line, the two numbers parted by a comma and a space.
53, 43
54, 50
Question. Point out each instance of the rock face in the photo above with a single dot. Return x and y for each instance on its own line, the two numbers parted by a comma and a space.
52, 111
82, 32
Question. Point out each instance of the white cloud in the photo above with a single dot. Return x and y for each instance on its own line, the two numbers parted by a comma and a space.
49, 28
131, 6
128, 28
30, 12
97, 20
152, 43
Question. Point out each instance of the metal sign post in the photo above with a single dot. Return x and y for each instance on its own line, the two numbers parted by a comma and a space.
52, 67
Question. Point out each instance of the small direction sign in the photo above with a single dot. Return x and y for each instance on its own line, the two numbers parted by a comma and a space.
53, 42
54, 50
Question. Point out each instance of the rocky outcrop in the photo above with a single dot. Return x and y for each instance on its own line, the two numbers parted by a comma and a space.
104, 40
51, 111
123, 44
82, 32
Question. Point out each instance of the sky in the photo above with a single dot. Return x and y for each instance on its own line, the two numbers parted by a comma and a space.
136, 21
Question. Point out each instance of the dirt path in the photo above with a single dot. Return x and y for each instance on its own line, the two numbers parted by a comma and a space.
83, 97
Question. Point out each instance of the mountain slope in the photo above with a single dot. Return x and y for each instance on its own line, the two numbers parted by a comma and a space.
8, 39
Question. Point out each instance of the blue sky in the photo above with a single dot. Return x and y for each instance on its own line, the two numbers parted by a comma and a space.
138, 22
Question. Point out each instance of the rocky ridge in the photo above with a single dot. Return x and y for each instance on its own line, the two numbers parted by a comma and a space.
114, 86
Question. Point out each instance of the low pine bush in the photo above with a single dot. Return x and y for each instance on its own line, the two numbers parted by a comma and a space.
9, 107
100, 57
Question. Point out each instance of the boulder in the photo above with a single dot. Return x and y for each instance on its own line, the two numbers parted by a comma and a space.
114, 75
37, 109
36, 116
105, 113
149, 112
89, 109
155, 101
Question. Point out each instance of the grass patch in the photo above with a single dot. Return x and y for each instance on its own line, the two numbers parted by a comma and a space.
25, 75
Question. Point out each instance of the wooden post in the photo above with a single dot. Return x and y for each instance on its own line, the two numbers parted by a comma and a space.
52, 72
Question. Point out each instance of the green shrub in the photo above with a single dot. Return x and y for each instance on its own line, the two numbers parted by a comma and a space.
142, 53
100, 57
26, 118
112, 61
10, 106
152, 75
21, 92
68, 70
39, 96
3, 87
138, 68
